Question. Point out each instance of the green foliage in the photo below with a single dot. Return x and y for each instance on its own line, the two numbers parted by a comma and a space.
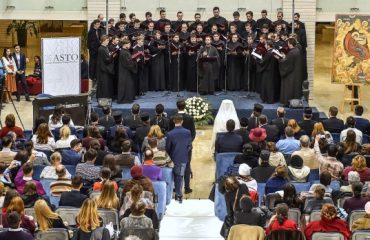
23, 25
200, 110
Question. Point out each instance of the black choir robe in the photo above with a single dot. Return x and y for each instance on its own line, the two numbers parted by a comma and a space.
234, 67
208, 70
291, 75
175, 75
142, 73
104, 73
157, 69
127, 76
249, 73
115, 48
220, 21
191, 69
220, 46
270, 77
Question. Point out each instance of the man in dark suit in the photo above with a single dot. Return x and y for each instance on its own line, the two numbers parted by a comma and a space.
281, 121
229, 141
161, 118
143, 130
254, 121
333, 124
361, 124
272, 131
307, 123
243, 130
73, 198
133, 121
188, 123
107, 120
178, 146
118, 120
20, 76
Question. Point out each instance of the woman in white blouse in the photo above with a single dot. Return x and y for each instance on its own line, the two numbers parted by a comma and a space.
65, 138
43, 139
55, 119
49, 171
11, 70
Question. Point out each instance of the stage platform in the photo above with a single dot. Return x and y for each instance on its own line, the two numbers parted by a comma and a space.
242, 100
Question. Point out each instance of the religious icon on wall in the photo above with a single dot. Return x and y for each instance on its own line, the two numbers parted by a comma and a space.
351, 55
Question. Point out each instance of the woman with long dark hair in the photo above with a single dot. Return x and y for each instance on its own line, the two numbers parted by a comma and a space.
10, 69
280, 220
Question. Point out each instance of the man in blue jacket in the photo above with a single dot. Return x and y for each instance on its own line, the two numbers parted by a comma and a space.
20, 76
178, 146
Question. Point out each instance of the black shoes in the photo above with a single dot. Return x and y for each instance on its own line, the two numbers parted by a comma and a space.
18, 98
188, 190
28, 99
178, 198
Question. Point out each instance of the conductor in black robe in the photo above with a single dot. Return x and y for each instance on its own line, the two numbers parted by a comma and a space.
104, 70
157, 71
191, 63
93, 43
126, 74
208, 67
175, 82
290, 67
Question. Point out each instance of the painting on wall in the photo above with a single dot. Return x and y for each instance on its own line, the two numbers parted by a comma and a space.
351, 55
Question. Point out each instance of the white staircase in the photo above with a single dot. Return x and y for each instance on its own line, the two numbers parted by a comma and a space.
193, 219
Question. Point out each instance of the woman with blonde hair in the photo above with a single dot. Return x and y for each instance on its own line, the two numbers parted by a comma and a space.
358, 165
155, 132
88, 220
298, 132
49, 171
318, 129
46, 218
16, 204
108, 198
65, 138
43, 139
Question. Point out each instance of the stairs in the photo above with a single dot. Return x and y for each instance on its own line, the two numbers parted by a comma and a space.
193, 219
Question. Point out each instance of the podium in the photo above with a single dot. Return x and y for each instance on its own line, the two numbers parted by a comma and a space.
75, 105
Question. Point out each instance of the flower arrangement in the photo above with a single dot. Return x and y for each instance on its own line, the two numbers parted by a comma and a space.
200, 110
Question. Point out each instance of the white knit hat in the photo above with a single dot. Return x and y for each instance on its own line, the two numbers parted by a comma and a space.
244, 170
367, 207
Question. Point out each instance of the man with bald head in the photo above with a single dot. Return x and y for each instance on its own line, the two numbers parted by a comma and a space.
307, 153
281, 121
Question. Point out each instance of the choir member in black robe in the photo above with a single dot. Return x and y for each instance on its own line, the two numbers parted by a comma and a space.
251, 21
148, 19
197, 20
191, 51
249, 73
142, 74
175, 82
122, 18
135, 31
167, 35
235, 60
220, 46
157, 71
260, 49
200, 33
184, 39
105, 70
302, 40
270, 75
121, 29
93, 43
208, 67
239, 24
264, 20
160, 24
132, 18
114, 49
284, 24
176, 25
248, 31
290, 67
149, 32
217, 19
127, 75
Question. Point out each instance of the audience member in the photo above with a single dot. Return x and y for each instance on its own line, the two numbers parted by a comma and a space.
93, 133
280, 220
307, 124
119, 137
276, 157
318, 129
9, 195
248, 156
254, 121
306, 153
40, 157
11, 127
55, 119
229, 141
358, 165
65, 138
150, 170
329, 223
117, 116
143, 130
263, 172
363, 223
126, 158
155, 132
277, 180
4, 177
160, 157
325, 180
105, 176
137, 218
100, 154
349, 144
30, 195
94, 123
107, 121
245, 178
88, 170
24, 175
108, 197
297, 172
362, 123
318, 200
357, 202
351, 122
74, 198
110, 162
272, 131
49, 171
290, 197
72, 156
6, 154
160, 118
133, 120
352, 177
135, 194
62, 184
66, 120
43, 140
15, 231
137, 178
248, 214
243, 130
289, 144
297, 130
333, 124
281, 121
257, 136
46, 218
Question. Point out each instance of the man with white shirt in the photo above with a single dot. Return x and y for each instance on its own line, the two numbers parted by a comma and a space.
20, 76
350, 123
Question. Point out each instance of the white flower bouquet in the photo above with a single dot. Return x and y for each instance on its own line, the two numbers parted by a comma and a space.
200, 110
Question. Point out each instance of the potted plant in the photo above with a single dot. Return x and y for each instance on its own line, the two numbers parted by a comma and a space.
22, 27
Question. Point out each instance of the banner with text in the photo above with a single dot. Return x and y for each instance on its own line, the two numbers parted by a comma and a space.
61, 66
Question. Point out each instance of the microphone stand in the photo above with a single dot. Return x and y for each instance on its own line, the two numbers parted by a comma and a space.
197, 60
178, 72
169, 58
224, 92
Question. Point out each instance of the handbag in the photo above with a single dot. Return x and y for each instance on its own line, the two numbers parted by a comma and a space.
295, 103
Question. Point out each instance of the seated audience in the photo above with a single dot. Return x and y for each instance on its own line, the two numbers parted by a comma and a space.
333, 124
297, 130
307, 124
100, 154
16, 205
156, 133
93, 133
280, 220
55, 119
107, 121
272, 131
142, 130
72, 156
160, 157
329, 163
325, 180
229, 141
88, 220
248, 214
289, 144
43, 140
352, 177
137, 178
11, 127
318, 129
276, 157
290, 197
351, 122
135, 194
358, 165
133, 120
126, 158
281, 121
30, 195
6, 154
40, 157
46, 218
105, 176
161, 118
243, 130
248, 156
362, 123
245, 178
264, 171
66, 120
357, 202
119, 137
49, 171
258, 136
4, 177
94, 123
108, 197
37, 123
23, 176
15, 231
318, 200
297, 172
306, 153
137, 218
62, 184
349, 144
65, 138
277, 180
88, 170
74, 198
117, 115
9, 195
110, 162
233, 193
363, 223
150, 170
329, 223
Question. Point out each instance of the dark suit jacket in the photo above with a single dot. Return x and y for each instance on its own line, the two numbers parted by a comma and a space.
228, 142
72, 199
107, 121
281, 123
112, 131
253, 122
188, 123
333, 125
141, 133
362, 124
178, 144
133, 122
244, 133
307, 126
21, 65
272, 131
70, 157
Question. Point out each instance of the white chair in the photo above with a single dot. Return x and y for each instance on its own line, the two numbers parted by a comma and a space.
356, 214
361, 235
294, 214
315, 215
30, 212
108, 216
68, 215
54, 233
327, 236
